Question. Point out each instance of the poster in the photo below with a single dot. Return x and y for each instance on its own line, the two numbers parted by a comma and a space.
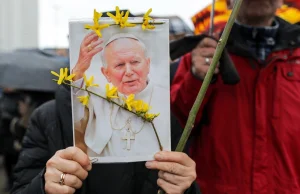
121, 98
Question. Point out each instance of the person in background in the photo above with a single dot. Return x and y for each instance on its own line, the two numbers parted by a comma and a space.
246, 138
16, 107
8, 110
289, 11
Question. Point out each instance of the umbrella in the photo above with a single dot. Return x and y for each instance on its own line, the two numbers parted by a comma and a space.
202, 21
29, 70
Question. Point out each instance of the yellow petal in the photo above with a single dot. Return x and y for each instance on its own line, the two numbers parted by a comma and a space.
95, 85
107, 88
126, 15
91, 80
130, 97
84, 79
151, 27
54, 73
113, 17
70, 77
66, 73
98, 33
86, 26
102, 26
129, 25
61, 76
117, 11
147, 13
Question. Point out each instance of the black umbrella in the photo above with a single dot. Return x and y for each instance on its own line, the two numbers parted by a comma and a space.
29, 70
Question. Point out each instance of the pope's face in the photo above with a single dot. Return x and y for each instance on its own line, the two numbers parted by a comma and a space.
127, 67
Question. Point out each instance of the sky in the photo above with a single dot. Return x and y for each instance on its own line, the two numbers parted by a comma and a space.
55, 14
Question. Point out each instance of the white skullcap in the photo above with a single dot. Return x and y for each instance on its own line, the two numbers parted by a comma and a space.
119, 36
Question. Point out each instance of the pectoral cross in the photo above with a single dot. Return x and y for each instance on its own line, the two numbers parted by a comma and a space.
128, 137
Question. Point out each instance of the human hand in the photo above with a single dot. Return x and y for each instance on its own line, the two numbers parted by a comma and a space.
71, 165
88, 49
25, 110
202, 56
177, 171
23, 107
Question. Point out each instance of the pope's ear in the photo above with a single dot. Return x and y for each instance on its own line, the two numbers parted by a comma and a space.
148, 64
105, 73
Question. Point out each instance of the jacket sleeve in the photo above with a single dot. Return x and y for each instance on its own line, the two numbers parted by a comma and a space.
29, 170
184, 90
194, 189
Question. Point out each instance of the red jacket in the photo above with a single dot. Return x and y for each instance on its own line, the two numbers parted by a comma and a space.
248, 135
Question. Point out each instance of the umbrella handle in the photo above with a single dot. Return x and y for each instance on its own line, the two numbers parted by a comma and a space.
212, 16
228, 72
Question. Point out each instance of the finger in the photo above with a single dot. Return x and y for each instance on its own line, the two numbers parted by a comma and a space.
206, 52
70, 167
73, 181
54, 188
88, 41
76, 154
92, 45
70, 180
171, 178
89, 35
96, 43
168, 187
177, 157
170, 167
208, 42
95, 51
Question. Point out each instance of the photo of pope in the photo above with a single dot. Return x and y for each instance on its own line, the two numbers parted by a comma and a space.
103, 129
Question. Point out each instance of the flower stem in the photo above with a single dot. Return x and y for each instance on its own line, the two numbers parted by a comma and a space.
85, 89
160, 146
219, 50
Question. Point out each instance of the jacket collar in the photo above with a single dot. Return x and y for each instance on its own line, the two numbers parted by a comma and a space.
287, 37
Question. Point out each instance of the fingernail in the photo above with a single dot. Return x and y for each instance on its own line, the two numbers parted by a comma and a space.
89, 167
148, 164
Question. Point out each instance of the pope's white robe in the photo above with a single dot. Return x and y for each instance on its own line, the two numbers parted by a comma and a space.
104, 137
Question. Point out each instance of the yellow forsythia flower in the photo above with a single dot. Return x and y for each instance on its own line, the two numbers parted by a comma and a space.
89, 82
118, 17
124, 23
129, 102
111, 92
150, 116
63, 75
84, 100
140, 106
97, 27
146, 18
